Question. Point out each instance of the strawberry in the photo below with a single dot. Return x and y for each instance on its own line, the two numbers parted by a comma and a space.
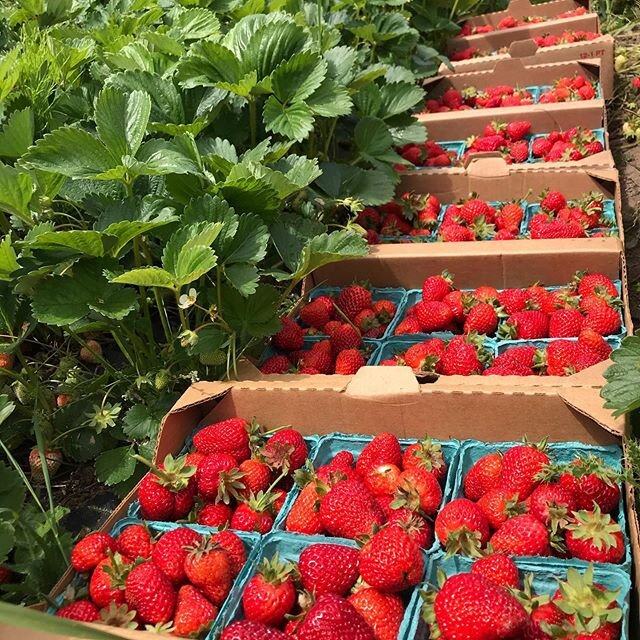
254, 513
277, 364
354, 299
80, 610
498, 505
408, 326
315, 314
565, 323
171, 550
542, 617
427, 455
470, 606
349, 362
551, 503
473, 209
290, 336
424, 356
167, 491
456, 233
215, 514
460, 358
107, 580
303, 516
149, 591
91, 352
592, 283
194, 614
250, 630
234, 546
498, 568
285, 449
436, 288
595, 342
454, 300
91, 550
383, 449
391, 560
511, 214
485, 474
345, 337
605, 320
522, 535
328, 568
270, 594
53, 461
461, 527
208, 567
519, 151
520, 467
540, 147
319, 359
383, 612
592, 482
256, 476
349, 510
385, 310
481, 319
217, 473
526, 325
419, 490
595, 537
333, 617
523, 356
417, 526
383, 479
229, 436
433, 316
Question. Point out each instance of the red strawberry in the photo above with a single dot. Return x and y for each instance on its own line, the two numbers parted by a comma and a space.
552, 503
194, 613
250, 630
107, 581
171, 550
328, 568
473, 209
460, 358
254, 513
482, 319
135, 542
80, 610
512, 300
417, 526
485, 474
456, 233
408, 326
518, 130
461, 527
277, 364
256, 477
433, 316
383, 449
498, 505
519, 151
349, 362
435, 288
212, 475
595, 342
215, 514
315, 314
605, 320
383, 612
520, 468
91, 550
595, 537
383, 479
419, 490
209, 568
522, 535
270, 594
592, 482
234, 546
565, 323
150, 593
541, 616
290, 337
354, 299
498, 568
345, 337
592, 283
303, 516
285, 449
526, 325
427, 455
540, 147
229, 436
335, 618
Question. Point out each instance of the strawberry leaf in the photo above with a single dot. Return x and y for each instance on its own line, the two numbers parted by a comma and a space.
115, 465
17, 134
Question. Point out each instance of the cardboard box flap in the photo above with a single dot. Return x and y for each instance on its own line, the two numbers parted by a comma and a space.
587, 401
379, 382
523, 48
488, 164
201, 392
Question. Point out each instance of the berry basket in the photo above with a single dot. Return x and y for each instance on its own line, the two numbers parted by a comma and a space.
505, 345
547, 87
598, 133
495, 204
289, 546
396, 295
252, 543
545, 581
564, 452
609, 213
332, 443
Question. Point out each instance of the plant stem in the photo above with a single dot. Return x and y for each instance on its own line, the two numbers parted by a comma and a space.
143, 294
327, 142
253, 120
181, 313
162, 312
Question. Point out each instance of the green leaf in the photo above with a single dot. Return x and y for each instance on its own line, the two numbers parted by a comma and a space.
115, 303
244, 87
372, 136
252, 194
140, 423
291, 233
127, 230
622, 390
87, 242
8, 259
207, 64
121, 120
341, 62
196, 24
161, 157
299, 170
297, 78
293, 121
147, 277
256, 315
16, 188
399, 97
210, 339
17, 134
249, 243
193, 263
371, 186
7, 539
59, 301
71, 152
115, 465
12, 489
187, 238
243, 277
330, 100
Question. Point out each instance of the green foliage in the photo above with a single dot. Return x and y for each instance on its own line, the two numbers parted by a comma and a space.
622, 390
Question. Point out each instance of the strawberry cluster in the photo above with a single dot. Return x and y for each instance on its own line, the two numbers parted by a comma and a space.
589, 302
347, 498
411, 214
566, 37
428, 154
325, 314
175, 582
492, 600
571, 145
522, 502
473, 98
475, 219
562, 218
511, 140
567, 89
511, 22
363, 592
233, 477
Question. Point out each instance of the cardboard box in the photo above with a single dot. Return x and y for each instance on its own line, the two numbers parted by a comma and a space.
370, 403
510, 71
527, 50
493, 179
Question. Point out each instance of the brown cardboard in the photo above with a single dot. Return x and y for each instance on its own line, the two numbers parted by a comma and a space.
524, 8
601, 48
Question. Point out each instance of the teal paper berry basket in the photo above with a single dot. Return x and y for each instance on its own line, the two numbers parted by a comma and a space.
598, 134
610, 225
289, 547
541, 89
564, 452
545, 582
495, 204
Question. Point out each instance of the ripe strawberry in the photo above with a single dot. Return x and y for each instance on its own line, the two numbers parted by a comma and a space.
424, 356
417, 526
436, 288
454, 300
592, 482
526, 325
543, 616
53, 461
383, 612
315, 314
290, 337
461, 527
511, 214
91, 550
605, 320
234, 546
540, 147
354, 299
150, 593
520, 467
270, 594
194, 613
383, 449
383, 479
485, 474
552, 503
595, 342
460, 359
345, 337
456, 233
209, 568
229, 436
318, 359
107, 580
385, 310
349, 510
419, 490
408, 326
522, 535
427, 455
498, 568
277, 364
304, 515
481, 319
254, 513
328, 568
215, 514
211, 477
470, 606
595, 537
80, 610
433, 316
498, 505
333, 617
473, 209
256, 477
171, 550
286, 448
349, 362
391, 560
565, 323
519, 151
250, 630
523, 356
593, 283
